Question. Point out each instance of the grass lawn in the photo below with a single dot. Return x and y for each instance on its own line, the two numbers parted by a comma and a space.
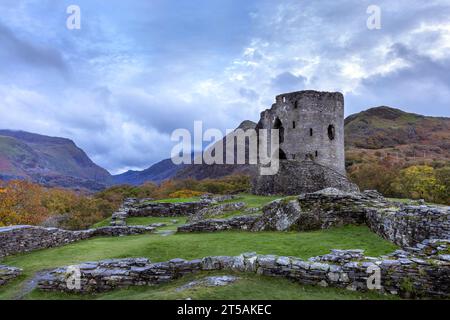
103, 223
175, 200
197, 245
145, 221
253, 201
248, 287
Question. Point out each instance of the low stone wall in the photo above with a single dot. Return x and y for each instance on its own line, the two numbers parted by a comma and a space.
423, 271
410, 224
216, 210
212, 225
161, 209
18, 239
8, 273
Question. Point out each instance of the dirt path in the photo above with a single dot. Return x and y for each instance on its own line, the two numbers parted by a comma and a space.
29, 285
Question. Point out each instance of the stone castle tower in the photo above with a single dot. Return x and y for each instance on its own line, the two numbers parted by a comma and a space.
311, 143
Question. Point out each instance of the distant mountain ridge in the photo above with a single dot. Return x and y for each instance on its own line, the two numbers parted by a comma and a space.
51, 161
158, 172
399, 137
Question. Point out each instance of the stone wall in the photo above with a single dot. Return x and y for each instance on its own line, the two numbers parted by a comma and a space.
402, 225
410, 225
319, 210
216, 210
423, 271
161, 209
8, 273
18, 239
212, 225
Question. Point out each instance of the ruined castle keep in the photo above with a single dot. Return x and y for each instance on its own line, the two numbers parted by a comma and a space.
311, 143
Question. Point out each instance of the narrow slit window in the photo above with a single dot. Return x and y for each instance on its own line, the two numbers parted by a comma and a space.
310, 132
331, 132
296, 105
293, 124
317, 154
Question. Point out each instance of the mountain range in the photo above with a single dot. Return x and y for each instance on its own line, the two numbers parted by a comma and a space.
50, 161
53, 161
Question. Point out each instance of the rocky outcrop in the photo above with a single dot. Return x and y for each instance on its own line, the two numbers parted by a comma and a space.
213, 225
18, 239
423, 271
8, 273
296, 177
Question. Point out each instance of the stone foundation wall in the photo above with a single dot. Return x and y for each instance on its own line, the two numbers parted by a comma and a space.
8, 273
161, 209
313, 211
423, 271
18, 239
213, 211
212, 225
411, 224
402, 225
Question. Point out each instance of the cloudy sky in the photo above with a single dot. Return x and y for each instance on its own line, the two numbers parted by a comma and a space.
138, 69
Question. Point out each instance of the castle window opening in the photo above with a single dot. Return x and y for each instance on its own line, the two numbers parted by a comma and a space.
284, 99
311, 132
281, 154
278, 125
317, 154
293, 124
296, 105
331, 132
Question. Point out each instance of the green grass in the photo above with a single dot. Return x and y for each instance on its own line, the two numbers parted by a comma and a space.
145, 221
103, 223
248, 287
175, 200
197, 245
250, 200
253, 201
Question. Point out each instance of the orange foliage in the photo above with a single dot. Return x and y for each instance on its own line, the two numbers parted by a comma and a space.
21, 203
185, 194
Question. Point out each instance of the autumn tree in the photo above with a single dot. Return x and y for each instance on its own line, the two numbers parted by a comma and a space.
419, 182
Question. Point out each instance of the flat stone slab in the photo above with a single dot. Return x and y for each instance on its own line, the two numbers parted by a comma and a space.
217, 281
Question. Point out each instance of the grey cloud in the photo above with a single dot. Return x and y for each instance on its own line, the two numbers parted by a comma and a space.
286, 81
15, 49
422, 87
249, 94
